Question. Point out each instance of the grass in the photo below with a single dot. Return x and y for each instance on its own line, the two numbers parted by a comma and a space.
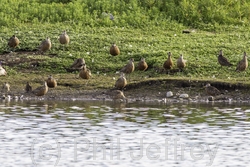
147, 38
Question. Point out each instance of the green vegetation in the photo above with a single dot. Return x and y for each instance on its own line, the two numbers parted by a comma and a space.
149, 29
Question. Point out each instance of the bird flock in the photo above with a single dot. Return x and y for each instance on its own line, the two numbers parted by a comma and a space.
84, 73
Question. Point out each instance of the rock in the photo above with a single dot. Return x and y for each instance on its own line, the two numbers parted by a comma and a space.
169, 94
184, 96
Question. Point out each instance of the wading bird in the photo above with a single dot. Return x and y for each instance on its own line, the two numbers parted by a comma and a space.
13, 42
168, 64
129, 67
51, 82
243, 64
28, 88
114, 50
223, 60
121, 82
181, 63
42, 90
142, 65
64, 38
45, 45
211, 90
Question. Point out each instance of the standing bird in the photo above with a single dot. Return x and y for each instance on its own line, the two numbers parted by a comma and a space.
6, 87
84, 72
168, 63
223, 60
51, 82
243, 64
28, 88
2, 70
64, 38
77, 64
114, 50
181, 63
45, 45
128, 68
13, 42
42, 90
210, 90
121, 82
142, 65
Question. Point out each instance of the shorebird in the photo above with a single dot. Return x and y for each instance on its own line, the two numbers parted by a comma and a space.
243, 64
121, 82
181, 63
2, 70
116, 94
42, 90
77, 64
129, 67
223, 60
51, 82
6, 87
45, 45
64, 38
28, 88
84, 72
114, 50
168, 63
13, 42
142, 65
211, 90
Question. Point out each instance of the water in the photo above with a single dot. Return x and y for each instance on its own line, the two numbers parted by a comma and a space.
99, 133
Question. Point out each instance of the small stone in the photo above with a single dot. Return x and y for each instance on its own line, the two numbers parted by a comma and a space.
169, 94
210, 98
184, 96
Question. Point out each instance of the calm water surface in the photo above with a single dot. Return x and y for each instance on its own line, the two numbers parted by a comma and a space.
99, 133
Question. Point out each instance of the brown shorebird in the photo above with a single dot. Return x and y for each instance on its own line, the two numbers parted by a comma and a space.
114, 50
128, 68
142, 65
42, 90
77, 64
181, 63
223, 60
6, 87
45, 45
211, 90
121, 82
13, 42
64, 38
2, 70
168, 64
51, 82
243, 64
28, 88
84, 72
116, 94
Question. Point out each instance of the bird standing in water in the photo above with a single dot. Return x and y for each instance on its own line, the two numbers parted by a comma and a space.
13, 42
42, 90
168, 64
142, 65
45, 45
121, 82
129, 67
223, 60
114, 50
64, 38
211, 90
